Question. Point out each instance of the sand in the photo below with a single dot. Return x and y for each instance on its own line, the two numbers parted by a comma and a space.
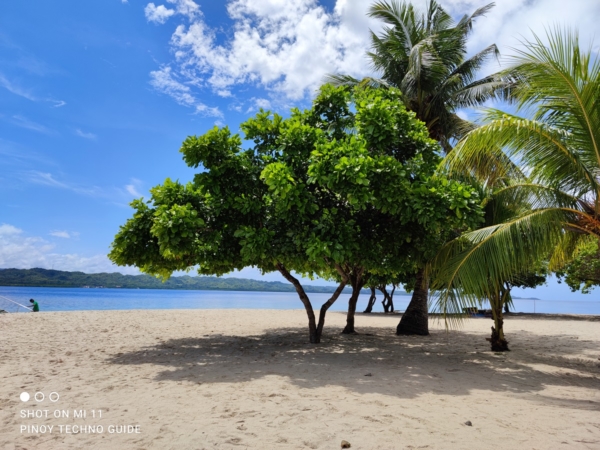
237, 379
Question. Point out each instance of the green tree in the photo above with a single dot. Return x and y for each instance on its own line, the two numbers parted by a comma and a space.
376, 167
583, 271
224, 220
560, 148
341, 190
424, 55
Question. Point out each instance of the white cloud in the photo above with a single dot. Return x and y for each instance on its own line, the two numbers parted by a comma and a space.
60, 234
132, 188
163, 80
511, 21
118, 195
23, 252
8, 230
262, 103
21, 92
47, 179
157, 14
85, 135
24, 122
188, 8
286, 47
13, 88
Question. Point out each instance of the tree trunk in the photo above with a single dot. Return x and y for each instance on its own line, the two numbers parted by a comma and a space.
356, 279
372, 300
315, 331
415, 319
498, 342
392, 298
388, 303
326, 306
313, 335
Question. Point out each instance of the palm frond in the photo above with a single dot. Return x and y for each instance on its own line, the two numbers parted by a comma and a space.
469, 270
563, 84
466, 23
543, 150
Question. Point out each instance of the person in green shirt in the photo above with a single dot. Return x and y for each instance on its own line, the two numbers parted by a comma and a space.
35, 307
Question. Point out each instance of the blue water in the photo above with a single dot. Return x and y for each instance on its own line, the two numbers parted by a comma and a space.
79, 299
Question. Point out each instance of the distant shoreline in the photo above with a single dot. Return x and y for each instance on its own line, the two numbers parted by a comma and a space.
45, 278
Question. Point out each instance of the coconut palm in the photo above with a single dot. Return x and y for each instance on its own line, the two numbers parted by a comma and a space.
424, 55
558, 147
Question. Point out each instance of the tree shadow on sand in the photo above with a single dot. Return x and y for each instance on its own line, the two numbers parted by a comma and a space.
376, 361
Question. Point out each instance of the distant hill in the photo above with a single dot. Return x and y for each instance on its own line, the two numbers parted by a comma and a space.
58, 278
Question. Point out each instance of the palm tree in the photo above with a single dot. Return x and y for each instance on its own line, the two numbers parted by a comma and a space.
558, 148
424, 55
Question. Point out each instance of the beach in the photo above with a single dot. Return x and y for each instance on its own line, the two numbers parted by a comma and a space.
236, 379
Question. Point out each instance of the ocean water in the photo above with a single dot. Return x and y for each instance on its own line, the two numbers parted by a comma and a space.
79, 299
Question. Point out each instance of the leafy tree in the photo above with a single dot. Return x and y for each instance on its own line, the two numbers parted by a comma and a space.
583, 271
424, 56
372, 165
340, 191
560, 147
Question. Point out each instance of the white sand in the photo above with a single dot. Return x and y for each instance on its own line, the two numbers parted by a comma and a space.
235, 379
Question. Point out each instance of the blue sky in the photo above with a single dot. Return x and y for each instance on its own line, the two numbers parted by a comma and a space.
96, 97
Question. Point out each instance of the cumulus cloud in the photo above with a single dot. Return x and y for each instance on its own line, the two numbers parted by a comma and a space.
286, 47
262, 103
17, 250
283, 47
9, 230
160, 14
157, 14
512, 21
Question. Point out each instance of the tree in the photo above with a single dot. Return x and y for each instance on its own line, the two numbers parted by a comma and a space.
223, 220
424, 56
583, 271
382, 171
341, 190
560, 147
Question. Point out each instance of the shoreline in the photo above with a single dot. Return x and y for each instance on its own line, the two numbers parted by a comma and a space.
434, 317
248, 379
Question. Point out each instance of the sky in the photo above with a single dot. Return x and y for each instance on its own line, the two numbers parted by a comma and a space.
96, 98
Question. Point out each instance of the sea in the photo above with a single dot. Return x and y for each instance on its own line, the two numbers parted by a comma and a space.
89, 299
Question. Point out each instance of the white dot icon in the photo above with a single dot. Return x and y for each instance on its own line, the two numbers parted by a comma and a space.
24, 397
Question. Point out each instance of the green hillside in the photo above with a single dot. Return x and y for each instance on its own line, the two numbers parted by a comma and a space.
57, 278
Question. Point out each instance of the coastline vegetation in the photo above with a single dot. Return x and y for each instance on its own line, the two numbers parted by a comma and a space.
58, 278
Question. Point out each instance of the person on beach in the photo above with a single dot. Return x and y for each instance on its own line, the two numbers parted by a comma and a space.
34, 307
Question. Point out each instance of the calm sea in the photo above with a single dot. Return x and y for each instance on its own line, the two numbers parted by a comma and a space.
78, 299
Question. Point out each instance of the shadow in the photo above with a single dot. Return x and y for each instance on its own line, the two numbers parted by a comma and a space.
449, 363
